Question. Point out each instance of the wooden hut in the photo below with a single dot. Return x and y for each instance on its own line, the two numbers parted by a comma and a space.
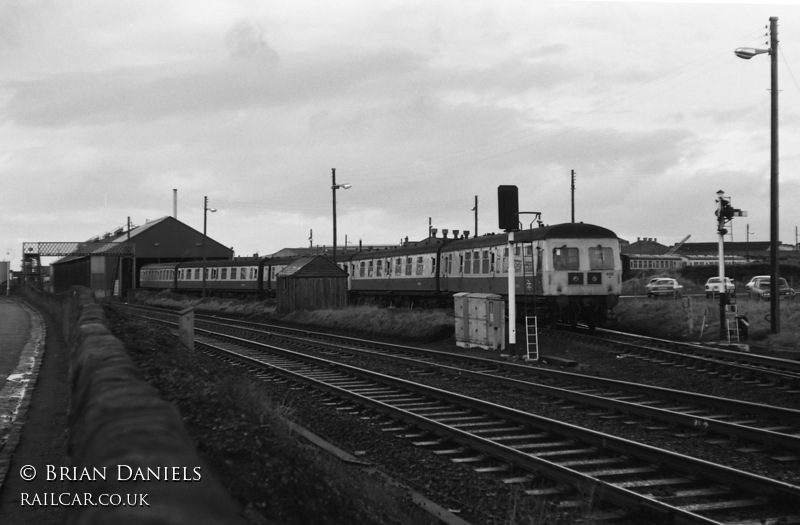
311, 283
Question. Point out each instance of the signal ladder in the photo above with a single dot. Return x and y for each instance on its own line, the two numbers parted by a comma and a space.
532, 338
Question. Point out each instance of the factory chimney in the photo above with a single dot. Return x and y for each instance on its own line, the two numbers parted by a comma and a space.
175, 203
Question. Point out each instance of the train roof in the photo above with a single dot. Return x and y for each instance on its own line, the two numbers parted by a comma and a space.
227, 263
577, 230
423, 247
568, 230
161, 266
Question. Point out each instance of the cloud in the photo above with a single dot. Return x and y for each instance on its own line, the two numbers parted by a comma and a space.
246, 40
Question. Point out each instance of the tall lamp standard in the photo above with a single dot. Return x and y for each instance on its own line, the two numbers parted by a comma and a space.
747, 53
335, 187
206, 209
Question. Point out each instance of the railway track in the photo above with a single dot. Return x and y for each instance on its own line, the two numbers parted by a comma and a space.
576, 461
742, 366
776, 430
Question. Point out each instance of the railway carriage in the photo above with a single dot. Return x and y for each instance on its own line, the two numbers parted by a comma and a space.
570, 272
225, 278
400, 275
159, 276
254, 277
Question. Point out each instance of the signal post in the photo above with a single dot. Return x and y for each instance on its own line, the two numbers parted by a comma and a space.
725, 213
508, 208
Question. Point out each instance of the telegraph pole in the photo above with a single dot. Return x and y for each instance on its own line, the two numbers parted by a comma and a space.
475, 209
572, 194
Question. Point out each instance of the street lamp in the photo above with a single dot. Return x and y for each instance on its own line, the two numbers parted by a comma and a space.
8, 272
747, 53
206, 209
335, 187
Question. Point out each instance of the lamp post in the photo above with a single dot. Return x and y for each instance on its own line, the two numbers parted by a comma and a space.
206, 209
747, 53
8, 272
748, 242
335, 187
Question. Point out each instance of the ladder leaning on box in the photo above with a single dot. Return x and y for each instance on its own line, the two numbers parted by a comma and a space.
532, 338
732, 323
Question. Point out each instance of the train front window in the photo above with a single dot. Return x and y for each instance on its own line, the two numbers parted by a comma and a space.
601, 258
565, 258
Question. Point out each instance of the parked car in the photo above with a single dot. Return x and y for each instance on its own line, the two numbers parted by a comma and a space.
714, 286
749, 286
663, 286
762, 289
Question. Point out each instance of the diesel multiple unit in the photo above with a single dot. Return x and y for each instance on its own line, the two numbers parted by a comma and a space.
571, 271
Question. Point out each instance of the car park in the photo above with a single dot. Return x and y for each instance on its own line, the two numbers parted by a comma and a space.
663, 286
762, 289
714, 286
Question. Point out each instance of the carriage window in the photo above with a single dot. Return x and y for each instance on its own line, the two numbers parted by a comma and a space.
565, 258
476, 262
486, 261
467, 261
379, 268
362, 269
224, 274
398, 266
409, 263
419, 265
433, 265
371, 264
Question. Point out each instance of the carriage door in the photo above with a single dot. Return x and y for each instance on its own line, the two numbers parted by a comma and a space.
537, 280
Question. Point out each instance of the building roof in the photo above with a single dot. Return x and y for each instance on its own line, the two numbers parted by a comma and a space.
701, 248
164, 238
317, 266
646, 246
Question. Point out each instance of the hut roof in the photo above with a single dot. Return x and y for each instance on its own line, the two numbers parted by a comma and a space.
317, 266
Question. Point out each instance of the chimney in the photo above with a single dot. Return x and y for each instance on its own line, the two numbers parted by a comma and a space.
175, 203
455, 234
434, 231
445, 231
466, 234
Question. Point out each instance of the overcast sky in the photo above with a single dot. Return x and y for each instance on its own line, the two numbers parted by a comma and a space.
108, 106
